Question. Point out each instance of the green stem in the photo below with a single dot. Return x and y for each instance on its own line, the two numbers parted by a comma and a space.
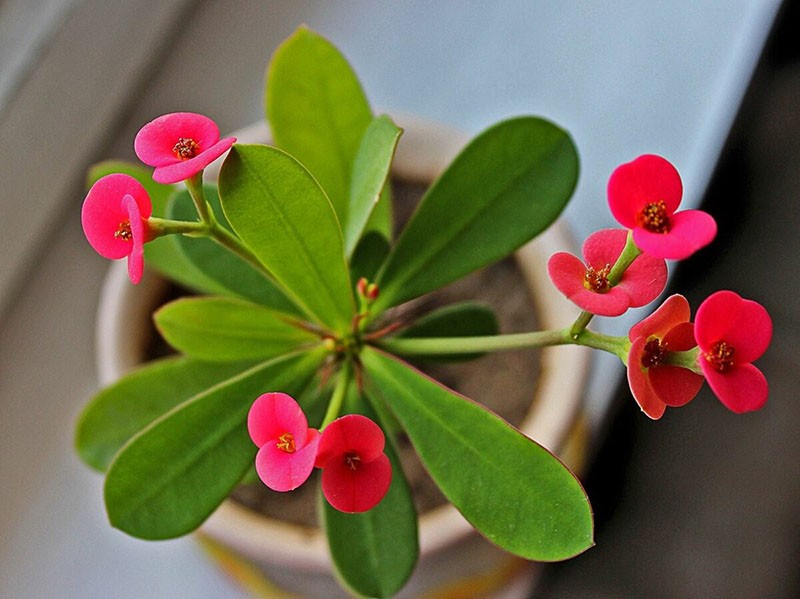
685, 359
195, 186
163, 226
432, 346
339, 393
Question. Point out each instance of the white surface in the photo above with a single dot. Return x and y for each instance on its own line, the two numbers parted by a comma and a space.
624, 77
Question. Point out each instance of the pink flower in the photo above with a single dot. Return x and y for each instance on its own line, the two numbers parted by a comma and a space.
180, 145
114, 216
356, 473
654, 383
644, 195
732, 332
588, 285
287, 447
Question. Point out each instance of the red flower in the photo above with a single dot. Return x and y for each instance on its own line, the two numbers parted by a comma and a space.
356, 473
180, 145
732, 332
588, 286
644, 195
654, 383
114, 216
288, 448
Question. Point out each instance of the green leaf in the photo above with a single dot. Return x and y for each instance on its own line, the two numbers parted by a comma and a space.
317, 110
516, 493
507, 186
462, 319
226, 272
221, 329
374, 552
169, 478
163, 254
368, 256
124, 408
281, 213
370, 173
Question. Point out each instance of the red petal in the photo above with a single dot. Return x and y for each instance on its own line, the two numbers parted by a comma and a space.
274, 414
638, 380
136, 256
282, 471
604, 247
742, 389
644, 280
690, 231
648, 178
357, 490
181, 170
567, 273
351, 433
671, 313
675, 386
743, 324
155, 141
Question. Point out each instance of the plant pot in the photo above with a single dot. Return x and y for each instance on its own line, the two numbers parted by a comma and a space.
275, 558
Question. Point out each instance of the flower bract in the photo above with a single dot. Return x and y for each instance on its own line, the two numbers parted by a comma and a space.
644, 196
655, 384
587, 285
179, 145
287, 446
113, 218
732, 332
356, 473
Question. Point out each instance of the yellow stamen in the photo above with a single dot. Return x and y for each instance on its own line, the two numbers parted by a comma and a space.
124, 231
720, 357
654, 217
286, 442
352, 459
597, 280
185, 148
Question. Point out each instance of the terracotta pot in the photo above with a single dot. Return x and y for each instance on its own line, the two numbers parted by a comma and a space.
274, 558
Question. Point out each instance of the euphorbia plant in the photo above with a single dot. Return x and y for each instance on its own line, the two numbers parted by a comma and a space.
291, 357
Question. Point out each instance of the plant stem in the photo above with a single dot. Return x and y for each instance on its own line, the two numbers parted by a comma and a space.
339, 393
685, 359
195, 186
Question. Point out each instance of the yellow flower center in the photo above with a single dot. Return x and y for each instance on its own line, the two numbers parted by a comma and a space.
286, 442
185, 148
124, 231
597, 280
720, 357
654, 217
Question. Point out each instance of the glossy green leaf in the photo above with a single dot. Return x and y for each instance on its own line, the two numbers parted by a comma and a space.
370, 173
463, 319
507, 186
220, 270
124, 408
374, 552
516, 493
162, 254
220, 329
279, 210
169, 478
368, 256
317, 110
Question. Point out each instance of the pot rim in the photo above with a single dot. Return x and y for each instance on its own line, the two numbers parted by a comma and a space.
426, 148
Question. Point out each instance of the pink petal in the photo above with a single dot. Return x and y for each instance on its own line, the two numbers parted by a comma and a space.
351, 433
671, 313
155, 141
136, 256
743, 324
103, 212
604, 247
647, 179
742, 389
680, 337
673, 385
181, 170
690, 230
358, 490
639, 382
644, 280
567, 274
274, 414
282, 471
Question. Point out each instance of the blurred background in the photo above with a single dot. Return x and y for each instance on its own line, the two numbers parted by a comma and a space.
699, 504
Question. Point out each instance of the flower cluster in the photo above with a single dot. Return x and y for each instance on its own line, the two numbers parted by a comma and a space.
668, 356
356, 473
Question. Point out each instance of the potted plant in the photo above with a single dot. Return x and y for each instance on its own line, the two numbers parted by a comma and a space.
297, 362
